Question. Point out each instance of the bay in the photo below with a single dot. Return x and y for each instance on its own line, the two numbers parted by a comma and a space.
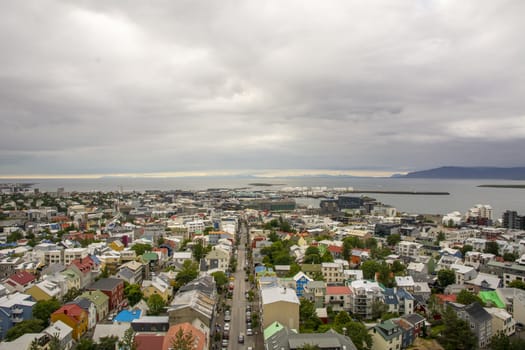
464, 194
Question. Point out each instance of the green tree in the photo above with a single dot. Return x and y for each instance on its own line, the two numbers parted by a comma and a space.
15, 236
308, 319
466, 248
492, 247
70, 295
188, 272
133, 293
155, 304
27, 326
456, 335
141, 248
510, 256
378, 309
220, 278
446, 277
355, 330
500, 341
43, 309
107, 343
199, 251
273, 236
394, 239
369, 268
517, 284
54, 343
34, 345
327, 257
465, 297
128, 341
398, 267
182, 340
86, 344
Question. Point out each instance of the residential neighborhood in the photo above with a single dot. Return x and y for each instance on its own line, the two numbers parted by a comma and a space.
234, 269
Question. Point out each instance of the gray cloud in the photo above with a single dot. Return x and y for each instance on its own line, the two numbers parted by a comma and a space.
112, 87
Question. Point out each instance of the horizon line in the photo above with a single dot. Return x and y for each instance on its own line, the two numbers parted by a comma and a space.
213, 173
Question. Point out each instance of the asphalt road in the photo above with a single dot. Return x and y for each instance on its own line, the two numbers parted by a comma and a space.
238, 302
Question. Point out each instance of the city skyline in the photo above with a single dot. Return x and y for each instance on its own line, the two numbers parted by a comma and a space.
368, 89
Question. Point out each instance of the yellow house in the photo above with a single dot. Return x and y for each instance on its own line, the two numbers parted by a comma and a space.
157, 286
386, 336
45, 290
280, 304
116, 245
74, 316
72, 279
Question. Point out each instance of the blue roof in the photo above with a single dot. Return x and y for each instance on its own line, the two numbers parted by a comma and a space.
127, 316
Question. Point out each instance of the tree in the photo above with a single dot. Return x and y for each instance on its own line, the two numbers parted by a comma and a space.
199, 251
188, 272
327, 257
510, 256
86, 344
456, 335
492, 247
54, 342
308, 319
517, 284
14, 236
465, 297
500, 341
27, 326
182, 340
355, 330
312, 250
34, 345
220, 279
128, 341
133, 293
273, 236
394, 239
155, 304
70, 295
398, 267
107, 343
378, 309
141, 248
446, 277
369, 268
43, 309
466, 248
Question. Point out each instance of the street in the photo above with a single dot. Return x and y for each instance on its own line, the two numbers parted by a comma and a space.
239, 302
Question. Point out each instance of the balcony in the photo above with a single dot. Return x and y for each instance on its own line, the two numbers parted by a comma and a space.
17, 310
16, 319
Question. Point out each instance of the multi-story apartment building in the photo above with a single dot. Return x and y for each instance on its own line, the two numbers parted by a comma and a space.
71, 254
479, 320
332, 272
15, 308
363, 295
406, 248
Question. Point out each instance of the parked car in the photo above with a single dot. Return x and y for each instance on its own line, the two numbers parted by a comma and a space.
225, 342
241, 338
226, 327
249, 331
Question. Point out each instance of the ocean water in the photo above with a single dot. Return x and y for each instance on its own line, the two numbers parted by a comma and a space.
463, 193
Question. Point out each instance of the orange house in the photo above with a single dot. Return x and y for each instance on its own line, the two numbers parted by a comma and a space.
74, 316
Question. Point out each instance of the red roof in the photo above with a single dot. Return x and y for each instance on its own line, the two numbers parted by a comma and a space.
199, 336
149, 341
84, 265
22, 278
335, 249
72, 310
337, 290
446, 297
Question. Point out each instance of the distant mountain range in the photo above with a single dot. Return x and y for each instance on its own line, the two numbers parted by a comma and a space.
452, 172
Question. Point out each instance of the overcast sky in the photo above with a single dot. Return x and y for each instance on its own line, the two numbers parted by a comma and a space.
96, 87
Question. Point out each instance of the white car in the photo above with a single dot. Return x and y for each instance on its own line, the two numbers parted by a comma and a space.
249, 331
226, 327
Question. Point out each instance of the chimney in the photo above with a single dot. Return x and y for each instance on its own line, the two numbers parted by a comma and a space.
65, 312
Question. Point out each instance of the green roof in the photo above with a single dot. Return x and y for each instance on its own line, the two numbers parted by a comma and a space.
150, 256
272, 329
96, 296
311, 267
492, 297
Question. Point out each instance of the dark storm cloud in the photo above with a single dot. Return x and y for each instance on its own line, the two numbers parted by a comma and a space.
112, 87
